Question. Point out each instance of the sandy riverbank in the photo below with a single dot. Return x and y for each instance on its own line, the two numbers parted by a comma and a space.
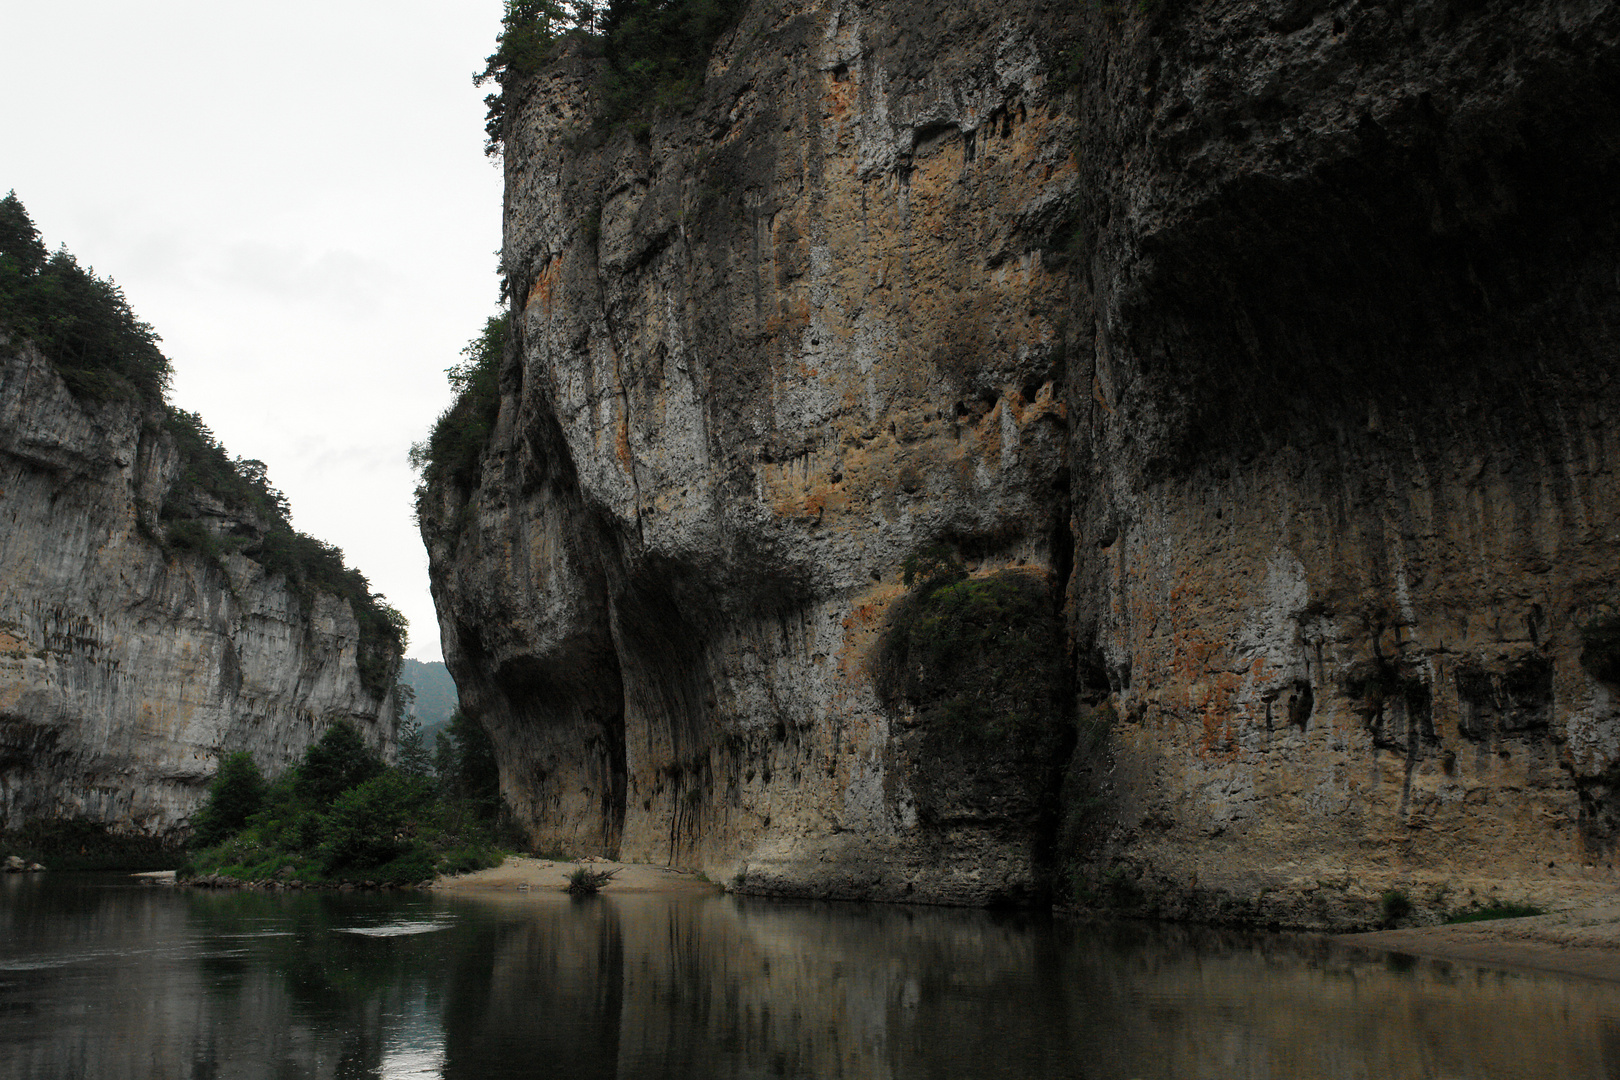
1580, 941
522, 873
1583, 940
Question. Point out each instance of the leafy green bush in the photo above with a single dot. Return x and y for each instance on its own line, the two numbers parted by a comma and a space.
414, 759
983, 654
236, 793
192, 536
465, 858
1395, 905
242, 485
341, 816
932, 567
338, 761
657, 51
529, 29
374, 829
469, 773
972, 670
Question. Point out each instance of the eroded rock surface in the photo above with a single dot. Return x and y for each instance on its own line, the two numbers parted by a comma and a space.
1274, 337
126, 673
764, 353
1348, 440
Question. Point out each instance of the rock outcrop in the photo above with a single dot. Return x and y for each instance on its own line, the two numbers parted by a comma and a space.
1272, 340
1348, 529
127, 671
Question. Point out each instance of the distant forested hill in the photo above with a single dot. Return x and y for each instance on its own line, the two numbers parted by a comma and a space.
435, 695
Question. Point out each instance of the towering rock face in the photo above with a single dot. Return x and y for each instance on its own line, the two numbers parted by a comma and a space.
126, 673
1348, 527
1272, 339
765, 352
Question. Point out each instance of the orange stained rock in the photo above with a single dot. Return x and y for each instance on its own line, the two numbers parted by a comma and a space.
621, 448
840, 94
862, 617
545, 284
1218, 739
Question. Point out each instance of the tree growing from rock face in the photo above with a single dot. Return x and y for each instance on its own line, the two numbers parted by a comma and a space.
656, 51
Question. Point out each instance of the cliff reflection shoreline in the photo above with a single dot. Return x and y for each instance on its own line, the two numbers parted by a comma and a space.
102, 977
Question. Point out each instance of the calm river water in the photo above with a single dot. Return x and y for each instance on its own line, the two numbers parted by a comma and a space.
103, 978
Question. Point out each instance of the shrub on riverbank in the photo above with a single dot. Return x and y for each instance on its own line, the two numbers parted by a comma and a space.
1496, 910
341, 815
585, 881
88, 845
235, 795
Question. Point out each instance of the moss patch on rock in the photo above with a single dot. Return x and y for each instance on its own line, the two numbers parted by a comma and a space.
974, 669
1600, 648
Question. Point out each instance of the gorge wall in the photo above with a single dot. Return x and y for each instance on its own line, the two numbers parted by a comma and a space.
127, 671
1267, 346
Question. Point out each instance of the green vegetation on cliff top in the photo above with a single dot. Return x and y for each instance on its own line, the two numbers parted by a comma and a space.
82, 323
656, 51
84, 326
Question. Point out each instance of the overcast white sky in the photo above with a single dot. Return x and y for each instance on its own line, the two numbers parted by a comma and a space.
295, 196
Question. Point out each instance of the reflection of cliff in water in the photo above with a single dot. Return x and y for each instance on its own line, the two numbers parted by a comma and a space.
130, 983
545, 990
639, 987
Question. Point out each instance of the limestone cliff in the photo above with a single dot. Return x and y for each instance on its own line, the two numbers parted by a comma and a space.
127, 671
1271, 339
1347, 516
